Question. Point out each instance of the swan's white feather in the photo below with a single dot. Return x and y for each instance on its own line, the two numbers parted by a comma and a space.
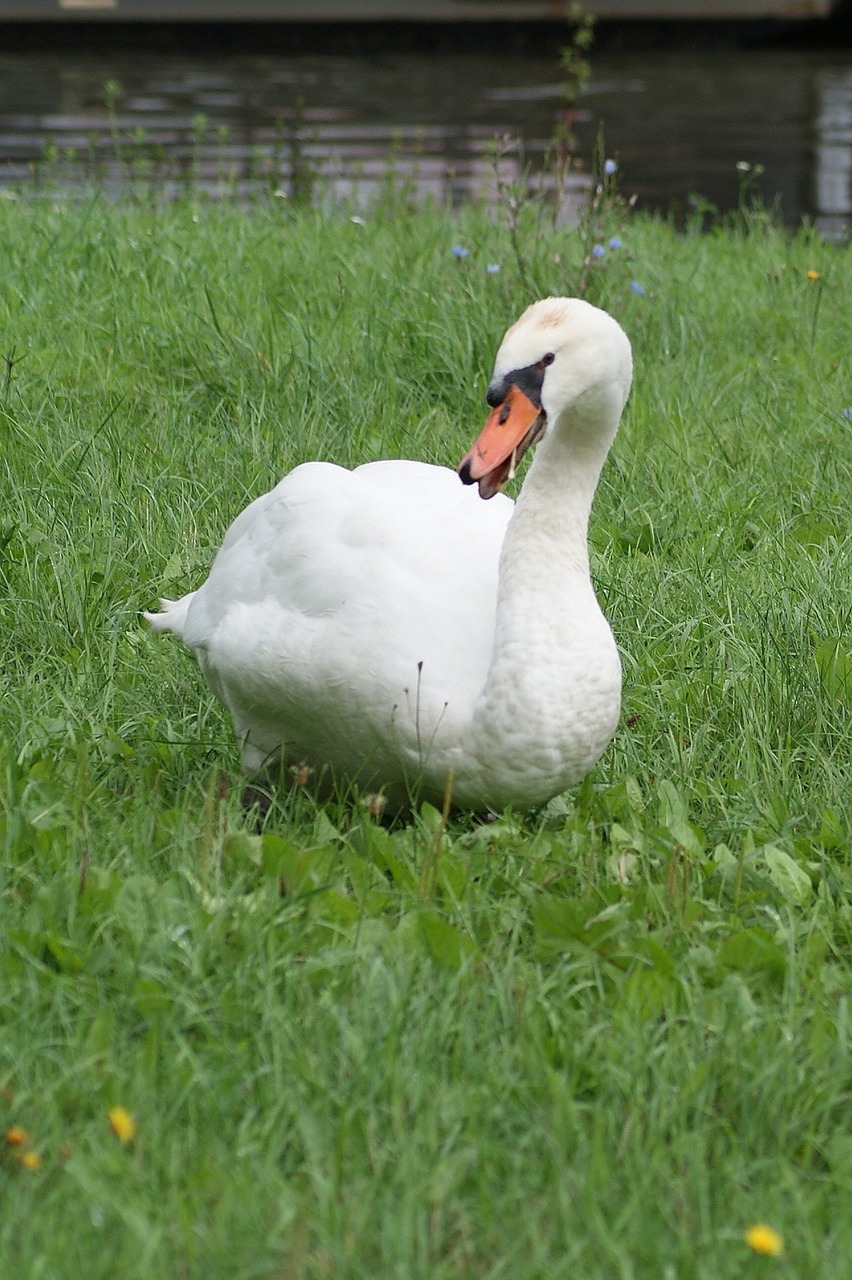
388, 624
292, 626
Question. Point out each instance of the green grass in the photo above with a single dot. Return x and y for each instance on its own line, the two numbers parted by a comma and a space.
595, 1042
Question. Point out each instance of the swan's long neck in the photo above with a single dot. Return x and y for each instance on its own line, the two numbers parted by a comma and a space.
546, 543
551, 696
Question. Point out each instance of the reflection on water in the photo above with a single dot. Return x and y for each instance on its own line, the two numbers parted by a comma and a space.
833, 152
679, 121
693, 118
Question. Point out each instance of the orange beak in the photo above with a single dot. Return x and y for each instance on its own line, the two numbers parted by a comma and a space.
509, 431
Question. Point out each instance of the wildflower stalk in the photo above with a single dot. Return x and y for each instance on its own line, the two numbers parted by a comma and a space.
577, 71
511, 198
602, 195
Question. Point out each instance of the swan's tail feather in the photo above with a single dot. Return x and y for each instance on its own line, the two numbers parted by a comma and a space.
173, 616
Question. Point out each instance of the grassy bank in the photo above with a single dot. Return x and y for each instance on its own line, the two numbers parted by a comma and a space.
598, 1041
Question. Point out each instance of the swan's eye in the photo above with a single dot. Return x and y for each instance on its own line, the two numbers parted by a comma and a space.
548, 359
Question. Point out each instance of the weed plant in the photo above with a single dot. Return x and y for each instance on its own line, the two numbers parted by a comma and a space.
601, 1040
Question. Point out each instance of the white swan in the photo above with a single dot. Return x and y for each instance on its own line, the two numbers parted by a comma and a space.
386, 626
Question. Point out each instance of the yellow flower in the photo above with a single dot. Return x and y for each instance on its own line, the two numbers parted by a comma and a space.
764, 1239
123, 1124
16, 1136
29, 1159
814, 275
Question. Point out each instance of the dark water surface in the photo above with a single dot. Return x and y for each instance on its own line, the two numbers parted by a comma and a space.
678, 116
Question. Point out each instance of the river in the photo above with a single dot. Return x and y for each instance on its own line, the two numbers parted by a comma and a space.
679, 115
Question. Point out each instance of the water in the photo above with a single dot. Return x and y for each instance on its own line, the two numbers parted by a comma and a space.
679, 119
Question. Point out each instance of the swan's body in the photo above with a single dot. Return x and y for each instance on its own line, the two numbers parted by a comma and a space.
387, 625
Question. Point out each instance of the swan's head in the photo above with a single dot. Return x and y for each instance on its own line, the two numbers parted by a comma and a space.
563, 365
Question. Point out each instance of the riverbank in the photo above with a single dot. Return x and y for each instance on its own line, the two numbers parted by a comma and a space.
604, 1039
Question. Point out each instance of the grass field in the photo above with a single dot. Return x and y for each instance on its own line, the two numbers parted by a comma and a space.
596, 1042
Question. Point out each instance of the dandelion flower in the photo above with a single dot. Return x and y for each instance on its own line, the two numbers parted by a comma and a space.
636, 287
764, 1240
814, 275
615, 242
16, 1136
29, 1160
598, 251
459, 251
610, 167
122, 1123
374, 802
492, 268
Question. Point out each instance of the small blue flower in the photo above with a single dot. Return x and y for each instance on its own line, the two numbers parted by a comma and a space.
847, 414
598, 251
615, 242
610, 167
459, 251
636, 287
492, 268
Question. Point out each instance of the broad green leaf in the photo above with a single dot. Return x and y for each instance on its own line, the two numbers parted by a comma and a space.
650, 992
786, 874
446, 943
724, 858
753, 951
67, 957
239, 846
831, 832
